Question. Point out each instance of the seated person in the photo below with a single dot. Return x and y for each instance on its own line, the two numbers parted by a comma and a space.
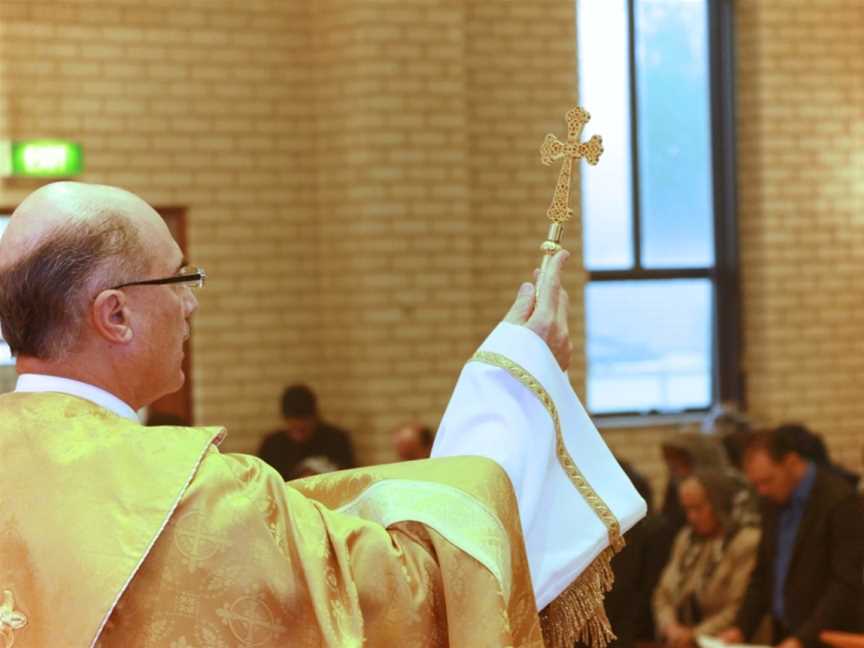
684, 453
808, 570
703, 584
412, 441
304, 435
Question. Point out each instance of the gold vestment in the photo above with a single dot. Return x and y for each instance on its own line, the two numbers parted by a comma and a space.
114, 534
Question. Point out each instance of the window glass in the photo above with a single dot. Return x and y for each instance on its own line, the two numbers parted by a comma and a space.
604, 92
673, 90
649, 345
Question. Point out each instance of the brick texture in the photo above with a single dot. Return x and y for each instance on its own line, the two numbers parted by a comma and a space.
800, 130
363, 185
325, 154
193, 104
801, 210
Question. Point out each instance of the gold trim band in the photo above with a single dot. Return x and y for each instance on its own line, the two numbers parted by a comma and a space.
600, 508
577, 613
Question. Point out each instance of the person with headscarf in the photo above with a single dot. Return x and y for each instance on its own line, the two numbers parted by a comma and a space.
688, 452
713, 555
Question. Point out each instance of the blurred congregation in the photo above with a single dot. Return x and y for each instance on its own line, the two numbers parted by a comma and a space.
758, 535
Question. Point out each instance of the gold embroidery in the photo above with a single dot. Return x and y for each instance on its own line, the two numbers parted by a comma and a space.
10, 620
578, 611
570, 468
194, 541
251, 621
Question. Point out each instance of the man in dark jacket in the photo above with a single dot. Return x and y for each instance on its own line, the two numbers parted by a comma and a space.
305, 445
808, 574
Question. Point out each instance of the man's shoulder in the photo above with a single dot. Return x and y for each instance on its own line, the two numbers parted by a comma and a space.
331, 431
831, 490
276, 439
222, 473
832, 501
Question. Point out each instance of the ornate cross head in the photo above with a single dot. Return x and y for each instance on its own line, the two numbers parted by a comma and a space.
554, 149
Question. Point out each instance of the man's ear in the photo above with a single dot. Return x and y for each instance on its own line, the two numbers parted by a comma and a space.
111, 317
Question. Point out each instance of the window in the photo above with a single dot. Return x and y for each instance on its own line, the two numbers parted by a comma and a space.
658, 211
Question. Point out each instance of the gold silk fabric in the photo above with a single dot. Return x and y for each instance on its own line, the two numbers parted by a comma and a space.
84, 494
168, 542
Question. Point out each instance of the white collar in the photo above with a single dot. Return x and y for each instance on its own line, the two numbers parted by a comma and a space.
45, 383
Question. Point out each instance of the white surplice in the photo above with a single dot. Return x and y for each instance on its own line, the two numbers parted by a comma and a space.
493, 414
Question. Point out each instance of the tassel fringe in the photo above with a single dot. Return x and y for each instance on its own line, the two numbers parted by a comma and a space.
578, 613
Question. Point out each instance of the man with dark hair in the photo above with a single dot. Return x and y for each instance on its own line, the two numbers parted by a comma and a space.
412, 441
299, 400
808, 574
812, 447
305, 436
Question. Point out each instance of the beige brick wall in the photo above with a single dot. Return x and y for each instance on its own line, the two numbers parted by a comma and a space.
521, 63
195, 105
364, 187
325, 153
395, 244
801, 198
434, 215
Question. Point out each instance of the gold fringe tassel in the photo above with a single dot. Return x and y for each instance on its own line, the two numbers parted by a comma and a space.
578, 613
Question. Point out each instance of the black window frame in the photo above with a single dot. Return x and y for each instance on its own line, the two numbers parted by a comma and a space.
727, 376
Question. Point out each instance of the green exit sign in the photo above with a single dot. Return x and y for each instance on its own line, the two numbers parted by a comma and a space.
41, 159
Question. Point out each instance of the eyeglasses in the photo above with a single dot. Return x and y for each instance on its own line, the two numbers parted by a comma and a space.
190, 276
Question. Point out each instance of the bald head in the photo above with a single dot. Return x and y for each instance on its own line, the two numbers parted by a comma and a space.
68, 206
65, 241
92, 289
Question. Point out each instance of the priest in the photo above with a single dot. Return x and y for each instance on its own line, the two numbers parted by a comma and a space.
113, 534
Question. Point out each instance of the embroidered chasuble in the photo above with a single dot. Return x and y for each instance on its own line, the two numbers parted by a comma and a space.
115, 534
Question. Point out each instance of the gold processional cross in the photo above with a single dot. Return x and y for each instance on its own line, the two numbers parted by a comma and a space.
553, 149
